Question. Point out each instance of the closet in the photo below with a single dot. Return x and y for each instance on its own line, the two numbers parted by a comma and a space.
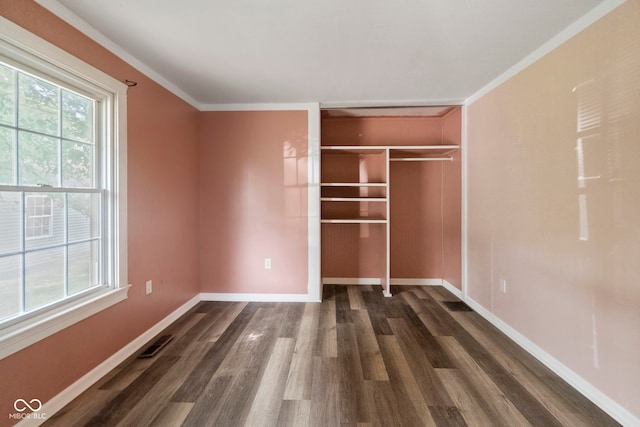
385, 217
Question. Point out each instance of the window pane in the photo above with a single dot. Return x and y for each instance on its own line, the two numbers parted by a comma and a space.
77, 164
44, 277
83, 266
43, 219
77, 117
7, 156
38, 159
10, 222
83, 218
38, 105
10, 269
7, 95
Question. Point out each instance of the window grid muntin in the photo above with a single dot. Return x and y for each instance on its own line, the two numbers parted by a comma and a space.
38, 216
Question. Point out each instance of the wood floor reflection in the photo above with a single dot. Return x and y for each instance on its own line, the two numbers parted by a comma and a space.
356, 359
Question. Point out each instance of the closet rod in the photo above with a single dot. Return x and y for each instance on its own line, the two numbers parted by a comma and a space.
419, 159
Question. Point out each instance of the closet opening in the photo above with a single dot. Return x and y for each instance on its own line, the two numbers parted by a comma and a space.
390, 196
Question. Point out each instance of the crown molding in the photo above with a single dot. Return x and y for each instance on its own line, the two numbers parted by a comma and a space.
585, 21
62, 12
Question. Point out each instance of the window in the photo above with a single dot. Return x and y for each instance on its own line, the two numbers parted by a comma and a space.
62, 189
37, 217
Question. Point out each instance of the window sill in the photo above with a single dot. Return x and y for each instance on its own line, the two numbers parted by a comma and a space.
28, 332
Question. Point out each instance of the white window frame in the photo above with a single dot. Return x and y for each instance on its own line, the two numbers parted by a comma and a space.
32, 52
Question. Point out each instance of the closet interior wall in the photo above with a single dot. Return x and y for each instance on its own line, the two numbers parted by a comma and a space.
424, 201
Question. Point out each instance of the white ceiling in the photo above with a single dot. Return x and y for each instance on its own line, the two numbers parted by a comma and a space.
349, 52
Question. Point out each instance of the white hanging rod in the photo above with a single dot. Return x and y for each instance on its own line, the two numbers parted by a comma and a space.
420, 159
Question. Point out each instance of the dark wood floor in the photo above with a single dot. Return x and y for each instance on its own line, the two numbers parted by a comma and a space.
356, 359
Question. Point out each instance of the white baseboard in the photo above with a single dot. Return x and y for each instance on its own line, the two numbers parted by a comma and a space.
351, 281
605, 403
416, 282
209, 296
378, 281
74, 390
448, 286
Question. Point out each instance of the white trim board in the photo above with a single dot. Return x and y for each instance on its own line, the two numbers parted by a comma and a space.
457, 292
394, 282
464, 204
65, 397
314, 285
373, 281
393, 103
213, 296
585, 21
275, 106
605, 403
415, 282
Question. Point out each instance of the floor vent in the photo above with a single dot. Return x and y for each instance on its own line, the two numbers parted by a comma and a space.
457, 306
155, 347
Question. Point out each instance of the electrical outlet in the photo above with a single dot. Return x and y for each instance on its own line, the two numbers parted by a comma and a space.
267, 263
503, 286
149, 286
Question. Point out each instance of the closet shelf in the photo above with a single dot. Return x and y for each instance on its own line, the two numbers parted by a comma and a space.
395, 151
353, 149
418, 151
368, 220
420, 159
353, 184
353, 199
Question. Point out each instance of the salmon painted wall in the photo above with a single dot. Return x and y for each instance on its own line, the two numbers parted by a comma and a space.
416, 194
381, 130
452, 201
416, 219
162, 224
554, 203
253, 202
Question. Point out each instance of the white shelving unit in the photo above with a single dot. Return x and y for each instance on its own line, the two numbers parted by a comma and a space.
342, 193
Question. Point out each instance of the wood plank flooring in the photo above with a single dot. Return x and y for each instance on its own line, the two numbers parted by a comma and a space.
356, 359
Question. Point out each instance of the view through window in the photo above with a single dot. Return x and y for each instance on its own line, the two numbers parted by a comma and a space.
51, 197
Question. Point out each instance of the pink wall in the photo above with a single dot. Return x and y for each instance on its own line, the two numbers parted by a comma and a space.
554, 203
253, 202
416, 219
162, 241
381, 130
418, 238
